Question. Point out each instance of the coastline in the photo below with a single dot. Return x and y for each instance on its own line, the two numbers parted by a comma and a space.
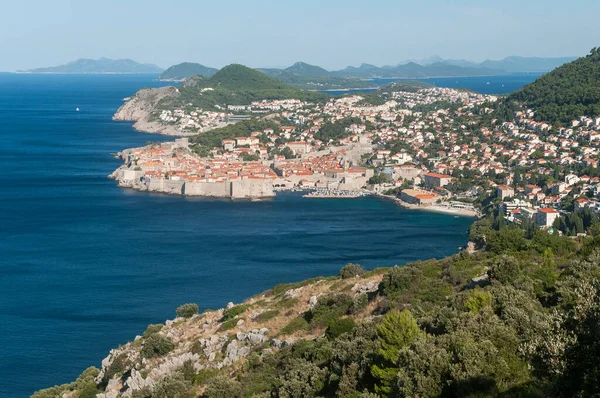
433, 208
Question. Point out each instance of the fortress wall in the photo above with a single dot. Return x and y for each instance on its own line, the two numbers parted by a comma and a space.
251, 188
216, 189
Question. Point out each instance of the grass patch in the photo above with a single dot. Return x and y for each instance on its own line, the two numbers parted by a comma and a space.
266, 316
228, 325
295, 325
234, 311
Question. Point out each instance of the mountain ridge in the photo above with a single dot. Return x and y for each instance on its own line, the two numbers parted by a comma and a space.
99, 66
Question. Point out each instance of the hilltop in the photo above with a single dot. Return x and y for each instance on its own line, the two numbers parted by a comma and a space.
514, 320
185, 70
566, 93
100, 66
232, 85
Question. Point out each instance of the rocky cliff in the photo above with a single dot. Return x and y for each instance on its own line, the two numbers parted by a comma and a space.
213, 342
139, 109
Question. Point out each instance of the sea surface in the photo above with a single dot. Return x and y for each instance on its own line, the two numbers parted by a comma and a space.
85, 265
502, 84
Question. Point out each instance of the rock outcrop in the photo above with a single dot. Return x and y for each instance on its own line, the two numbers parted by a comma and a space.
139, 109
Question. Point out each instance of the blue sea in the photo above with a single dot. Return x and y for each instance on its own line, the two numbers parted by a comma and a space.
85, 265
501, 84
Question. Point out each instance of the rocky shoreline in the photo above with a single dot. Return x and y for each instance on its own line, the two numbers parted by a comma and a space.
138, 109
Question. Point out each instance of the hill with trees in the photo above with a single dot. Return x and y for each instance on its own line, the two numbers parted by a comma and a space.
185, 70
566, 93
234, 85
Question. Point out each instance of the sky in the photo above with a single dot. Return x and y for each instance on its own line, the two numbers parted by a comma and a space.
260, 33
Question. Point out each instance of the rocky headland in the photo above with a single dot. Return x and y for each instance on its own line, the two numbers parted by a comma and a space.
139, 109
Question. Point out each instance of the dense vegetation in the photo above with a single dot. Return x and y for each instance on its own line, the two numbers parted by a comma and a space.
566, 93
205, 142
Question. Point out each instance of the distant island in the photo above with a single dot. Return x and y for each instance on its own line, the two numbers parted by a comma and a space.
99, 67
312, 77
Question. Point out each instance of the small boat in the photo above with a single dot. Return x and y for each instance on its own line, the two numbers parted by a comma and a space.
488, 83
455, 216
76, 109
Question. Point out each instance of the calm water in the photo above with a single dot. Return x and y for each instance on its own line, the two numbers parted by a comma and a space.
85, 266
503, 84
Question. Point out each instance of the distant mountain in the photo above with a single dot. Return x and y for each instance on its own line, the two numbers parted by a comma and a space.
566, 93
413, 70
527, 64
187, 69
304, 69
100, 66
508, 64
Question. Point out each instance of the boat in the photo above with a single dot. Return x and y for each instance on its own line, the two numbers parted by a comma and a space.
76, 109
488, 83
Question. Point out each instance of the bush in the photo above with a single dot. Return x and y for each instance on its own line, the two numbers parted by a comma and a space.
152, 329
328, 307
117, 367
359, 303
400, 280
156, 346
234, 311
204, 376
339, 326
478, 300
222, 387
228, 325
351, 271
295, 325
266, 316
187, 310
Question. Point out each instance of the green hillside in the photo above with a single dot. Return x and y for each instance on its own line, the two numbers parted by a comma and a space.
186, 70
566, 93
235, 85
518, 318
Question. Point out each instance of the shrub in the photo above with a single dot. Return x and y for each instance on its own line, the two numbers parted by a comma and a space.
204, 376
152, 329
266, 316
117, 367
478, 300
505, 269
339, 326
295, 325
228, 325
156, 346
234, 311
351, 271
328, 307
359, 303
222, 387
400, 280
187, 310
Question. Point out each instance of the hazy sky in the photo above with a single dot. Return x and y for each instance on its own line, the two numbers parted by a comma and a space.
330, 33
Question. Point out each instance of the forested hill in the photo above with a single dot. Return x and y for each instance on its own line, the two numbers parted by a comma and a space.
185, 70
568, 92
234, 85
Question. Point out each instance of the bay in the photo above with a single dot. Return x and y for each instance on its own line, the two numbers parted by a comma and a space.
85, 265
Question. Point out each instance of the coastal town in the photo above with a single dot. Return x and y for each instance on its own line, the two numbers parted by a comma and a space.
435, 149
